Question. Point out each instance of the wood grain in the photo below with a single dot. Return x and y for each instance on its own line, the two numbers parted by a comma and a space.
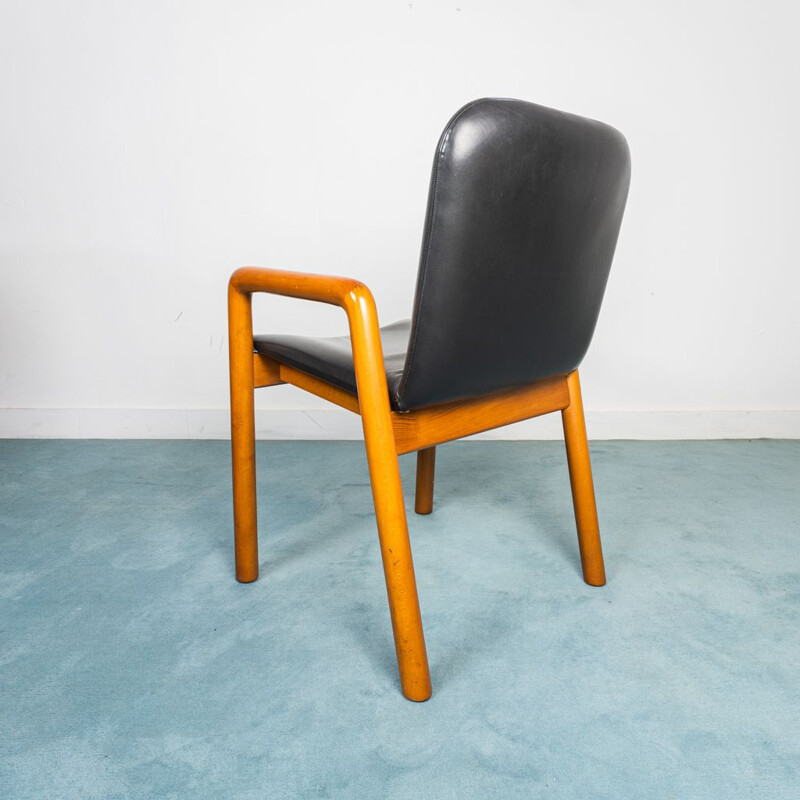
416, 430
266, 371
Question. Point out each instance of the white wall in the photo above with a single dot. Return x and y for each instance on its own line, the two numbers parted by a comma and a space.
149, 148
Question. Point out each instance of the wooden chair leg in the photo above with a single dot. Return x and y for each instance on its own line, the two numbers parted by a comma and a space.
580, 476
245, 523
426, 468
398, 568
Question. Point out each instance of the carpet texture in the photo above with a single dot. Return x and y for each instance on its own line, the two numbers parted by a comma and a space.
132, 665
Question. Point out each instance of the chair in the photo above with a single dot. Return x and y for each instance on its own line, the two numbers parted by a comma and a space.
524, 210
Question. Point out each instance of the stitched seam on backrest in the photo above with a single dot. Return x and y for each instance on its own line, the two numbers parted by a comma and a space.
412, 347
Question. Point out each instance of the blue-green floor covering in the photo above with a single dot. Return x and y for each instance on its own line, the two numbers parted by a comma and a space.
132, 665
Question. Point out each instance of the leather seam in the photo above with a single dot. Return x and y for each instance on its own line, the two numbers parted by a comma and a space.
412, 347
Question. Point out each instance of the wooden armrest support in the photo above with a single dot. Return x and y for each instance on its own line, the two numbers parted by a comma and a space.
351, 295
373, 404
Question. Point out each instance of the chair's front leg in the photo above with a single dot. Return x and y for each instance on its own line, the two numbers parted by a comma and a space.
240, 342
580, 477
426, 470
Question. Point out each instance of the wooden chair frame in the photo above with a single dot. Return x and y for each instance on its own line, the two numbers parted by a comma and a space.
387, 434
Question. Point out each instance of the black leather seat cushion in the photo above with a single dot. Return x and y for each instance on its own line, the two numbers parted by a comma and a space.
331, 359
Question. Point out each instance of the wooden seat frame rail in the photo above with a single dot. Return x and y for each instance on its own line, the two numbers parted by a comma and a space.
387, 434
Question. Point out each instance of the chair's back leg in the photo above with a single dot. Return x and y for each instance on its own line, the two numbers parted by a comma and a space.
398, 567
580, 476
243, 453
426, 468
387, 494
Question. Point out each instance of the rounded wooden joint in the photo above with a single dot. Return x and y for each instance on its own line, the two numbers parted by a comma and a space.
355, 295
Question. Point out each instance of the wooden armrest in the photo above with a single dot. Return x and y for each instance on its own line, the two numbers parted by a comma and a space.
353, 296
303, 285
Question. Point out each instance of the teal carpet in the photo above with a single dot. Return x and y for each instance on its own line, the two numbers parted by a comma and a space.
132, 665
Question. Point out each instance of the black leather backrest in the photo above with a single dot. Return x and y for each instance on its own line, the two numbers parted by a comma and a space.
524, 211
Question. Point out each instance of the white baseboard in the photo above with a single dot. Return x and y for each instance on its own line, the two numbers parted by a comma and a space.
163, 423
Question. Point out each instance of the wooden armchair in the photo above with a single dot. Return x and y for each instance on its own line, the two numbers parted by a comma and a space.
523, 216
